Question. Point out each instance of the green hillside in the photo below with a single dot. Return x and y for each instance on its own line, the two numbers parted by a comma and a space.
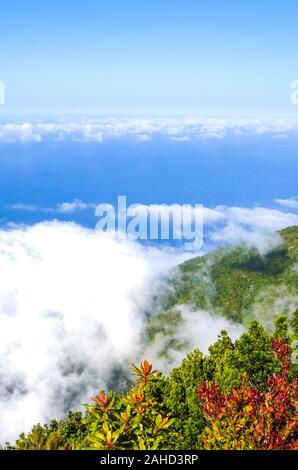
242, 395
236, 282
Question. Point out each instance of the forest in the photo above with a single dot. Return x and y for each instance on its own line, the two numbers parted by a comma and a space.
242, 395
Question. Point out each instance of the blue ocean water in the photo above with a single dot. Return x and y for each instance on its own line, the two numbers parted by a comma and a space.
236, 170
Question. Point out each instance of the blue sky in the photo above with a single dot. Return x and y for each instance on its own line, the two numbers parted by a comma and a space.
157, 57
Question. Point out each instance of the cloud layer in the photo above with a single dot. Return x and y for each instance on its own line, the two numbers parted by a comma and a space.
254, 226
143, 130
71, 308
289, 203
198, 329
72, 305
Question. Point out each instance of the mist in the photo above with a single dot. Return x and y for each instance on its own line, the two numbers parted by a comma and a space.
73, 306
197, 329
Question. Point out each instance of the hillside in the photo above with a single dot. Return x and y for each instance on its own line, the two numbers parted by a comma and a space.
236, 282
243, 395
248, 384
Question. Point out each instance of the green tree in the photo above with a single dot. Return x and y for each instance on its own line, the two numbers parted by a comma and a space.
180, 401
130, 421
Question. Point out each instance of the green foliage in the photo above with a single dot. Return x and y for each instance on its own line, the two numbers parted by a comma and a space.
163, 412
165, 325
179, 399
133, 421
232, 281
281, 324
58, 435
239, 382
294, 324
252, 353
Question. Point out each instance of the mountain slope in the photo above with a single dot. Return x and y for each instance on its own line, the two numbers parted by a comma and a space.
236, 282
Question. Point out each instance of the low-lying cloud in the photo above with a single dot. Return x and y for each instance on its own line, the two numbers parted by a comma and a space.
72, 306
254, 226
290, 203
197, 330
97, 130
73, 303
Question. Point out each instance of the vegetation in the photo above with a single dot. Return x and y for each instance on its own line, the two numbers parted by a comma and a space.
249, 419
242, 395
236, 282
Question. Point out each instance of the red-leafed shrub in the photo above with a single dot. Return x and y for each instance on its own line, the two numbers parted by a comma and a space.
247, 418
283, 352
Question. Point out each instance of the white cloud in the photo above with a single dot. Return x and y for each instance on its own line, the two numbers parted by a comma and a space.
180, 129
25, 132
198, 329
25, 207
253, 226
74, 206
143, 137
212, 216
281, 136
182, 138
71, 306
260, 218
63, 207
223, 223
291, 203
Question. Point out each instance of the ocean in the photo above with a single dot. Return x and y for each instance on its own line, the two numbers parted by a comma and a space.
243, 171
